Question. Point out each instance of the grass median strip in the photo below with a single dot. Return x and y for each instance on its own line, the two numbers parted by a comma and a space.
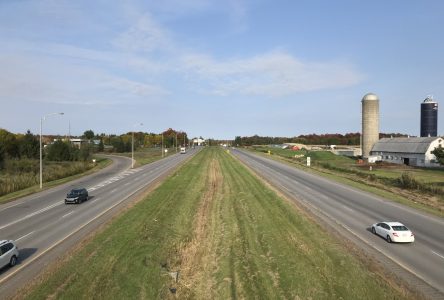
212, 231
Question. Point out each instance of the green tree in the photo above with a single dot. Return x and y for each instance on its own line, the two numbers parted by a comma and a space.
2, 156
101, 146
89, 135
118, 144
9, 143
439, 153
29, 146
85, 152
59, 151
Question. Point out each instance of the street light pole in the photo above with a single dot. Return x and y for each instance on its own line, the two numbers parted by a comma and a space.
41, 152
132, 146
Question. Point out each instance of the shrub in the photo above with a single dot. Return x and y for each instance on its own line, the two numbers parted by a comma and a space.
409, 182
59, 151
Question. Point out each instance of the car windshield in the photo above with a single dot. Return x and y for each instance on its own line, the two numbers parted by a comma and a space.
74, 193
400, 228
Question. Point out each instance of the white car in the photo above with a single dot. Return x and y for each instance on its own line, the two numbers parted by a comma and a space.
8, 253
393, 232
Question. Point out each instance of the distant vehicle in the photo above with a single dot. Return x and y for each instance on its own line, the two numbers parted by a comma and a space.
77, 196
8, 253
393, 232
183, 150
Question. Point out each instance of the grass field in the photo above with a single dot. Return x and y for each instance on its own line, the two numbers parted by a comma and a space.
226, 234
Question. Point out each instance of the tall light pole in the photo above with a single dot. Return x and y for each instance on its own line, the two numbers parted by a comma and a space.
162, 144
41, 156
132, 146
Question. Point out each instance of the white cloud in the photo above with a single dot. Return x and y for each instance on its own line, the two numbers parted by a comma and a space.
52, 80
145, 35
273, 74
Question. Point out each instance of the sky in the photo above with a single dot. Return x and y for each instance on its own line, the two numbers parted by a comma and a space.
218, 69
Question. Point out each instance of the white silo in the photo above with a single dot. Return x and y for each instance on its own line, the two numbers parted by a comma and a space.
370, 123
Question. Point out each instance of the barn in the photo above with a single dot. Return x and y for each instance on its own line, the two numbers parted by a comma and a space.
412, 151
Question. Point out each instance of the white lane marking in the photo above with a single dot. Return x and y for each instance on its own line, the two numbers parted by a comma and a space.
33, 214
437, 254
32, 259
95, 199
22, 237
65, 215
112, 191
127, 183
347, 208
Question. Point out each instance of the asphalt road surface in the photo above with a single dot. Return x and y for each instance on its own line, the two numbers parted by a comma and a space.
44, 227
353, 212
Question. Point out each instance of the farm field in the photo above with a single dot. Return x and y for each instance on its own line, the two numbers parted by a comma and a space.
212, 231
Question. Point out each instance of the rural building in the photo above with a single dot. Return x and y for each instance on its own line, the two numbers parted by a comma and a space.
412, 151
198, 141
77, 142
294, 146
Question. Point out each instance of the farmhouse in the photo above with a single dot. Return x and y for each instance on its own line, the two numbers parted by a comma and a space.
412, 151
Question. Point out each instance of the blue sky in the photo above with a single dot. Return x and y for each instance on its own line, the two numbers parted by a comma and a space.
218, 68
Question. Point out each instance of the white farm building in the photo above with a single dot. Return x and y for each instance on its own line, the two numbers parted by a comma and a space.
412, 151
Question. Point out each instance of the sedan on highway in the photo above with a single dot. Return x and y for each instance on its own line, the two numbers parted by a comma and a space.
393, 232
77, 196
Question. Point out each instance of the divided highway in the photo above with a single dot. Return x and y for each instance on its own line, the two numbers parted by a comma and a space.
353, 212
44, 227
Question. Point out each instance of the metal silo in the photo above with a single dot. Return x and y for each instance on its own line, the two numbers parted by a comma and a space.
429, 117
370, 123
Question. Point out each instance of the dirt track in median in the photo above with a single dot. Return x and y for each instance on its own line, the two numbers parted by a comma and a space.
198, 256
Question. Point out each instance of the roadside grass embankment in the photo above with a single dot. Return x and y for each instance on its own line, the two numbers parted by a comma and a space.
212, 230
21, 177
420, 188
144, 156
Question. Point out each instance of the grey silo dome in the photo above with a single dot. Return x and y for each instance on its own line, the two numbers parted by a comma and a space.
429, 99
370, 96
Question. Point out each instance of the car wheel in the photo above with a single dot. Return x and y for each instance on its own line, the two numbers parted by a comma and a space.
78, 201
13, 261
373, 230
87, 198
389, 240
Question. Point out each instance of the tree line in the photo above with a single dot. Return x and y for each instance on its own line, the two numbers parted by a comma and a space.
352, 139
56, 148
